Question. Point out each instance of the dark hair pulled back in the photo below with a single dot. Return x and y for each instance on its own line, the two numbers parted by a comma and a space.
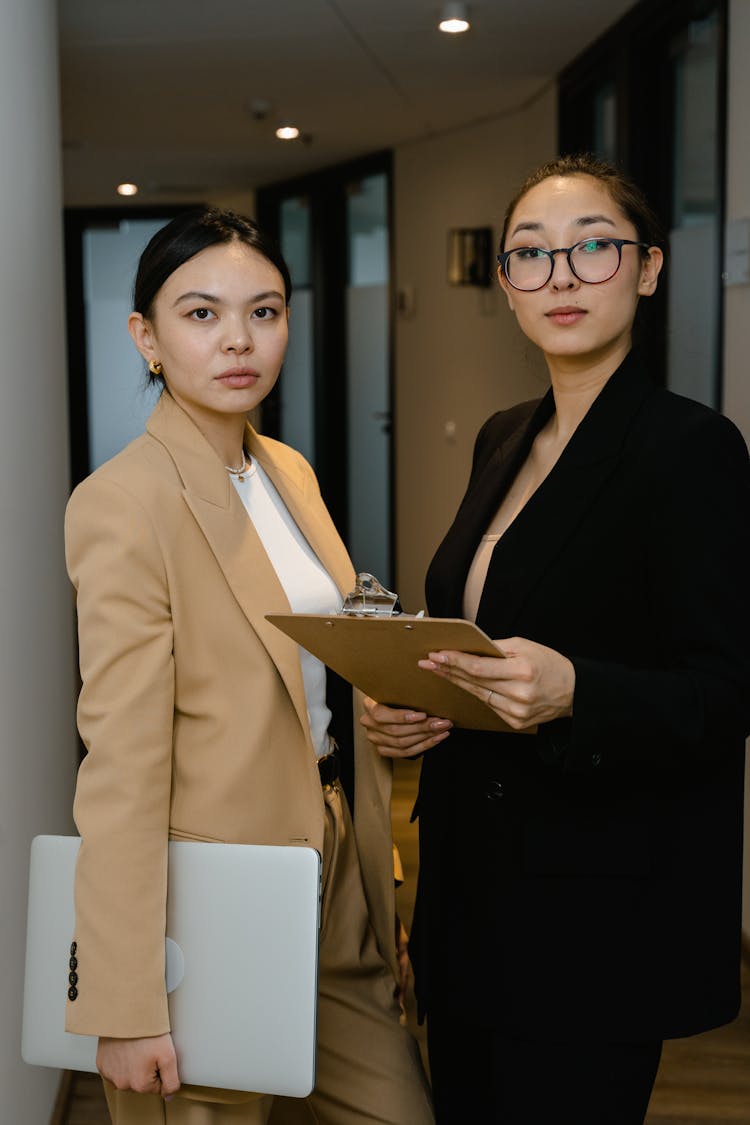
187, 235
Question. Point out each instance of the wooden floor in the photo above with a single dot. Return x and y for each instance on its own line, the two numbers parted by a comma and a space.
702, 1081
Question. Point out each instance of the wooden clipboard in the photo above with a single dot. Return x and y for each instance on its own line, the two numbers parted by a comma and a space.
379, 656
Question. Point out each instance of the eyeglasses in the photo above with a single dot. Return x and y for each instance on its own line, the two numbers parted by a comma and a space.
593, 260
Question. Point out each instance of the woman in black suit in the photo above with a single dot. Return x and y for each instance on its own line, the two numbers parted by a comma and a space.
579, 890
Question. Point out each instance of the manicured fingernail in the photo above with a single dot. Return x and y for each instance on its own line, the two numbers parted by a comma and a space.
414, 716
428, 665
438, 658
440, 724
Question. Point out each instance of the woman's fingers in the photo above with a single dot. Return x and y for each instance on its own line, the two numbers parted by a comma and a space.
400, 732
531, 684
406, 744
379, 713
464, 665
147, 1066
167, 1065
390, 750
477, 674
400, 721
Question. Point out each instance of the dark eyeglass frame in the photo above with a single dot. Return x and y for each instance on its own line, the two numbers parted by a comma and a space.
618, 243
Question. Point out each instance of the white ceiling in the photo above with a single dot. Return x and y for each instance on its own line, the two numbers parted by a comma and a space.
159, 92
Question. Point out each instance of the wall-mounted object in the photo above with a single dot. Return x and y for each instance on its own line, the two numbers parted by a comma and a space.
470, 256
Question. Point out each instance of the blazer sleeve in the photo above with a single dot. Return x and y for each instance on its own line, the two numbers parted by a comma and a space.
125, 717
695, 699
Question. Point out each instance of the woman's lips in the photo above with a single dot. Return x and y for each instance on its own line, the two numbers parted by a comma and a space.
239, 377
568, 314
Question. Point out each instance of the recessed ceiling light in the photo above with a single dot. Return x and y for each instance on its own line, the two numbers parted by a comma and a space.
455, 18
287, 132
127, 189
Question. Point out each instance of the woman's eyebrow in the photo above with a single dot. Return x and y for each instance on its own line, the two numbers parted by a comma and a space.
583, 221
212, 299
586, 220
527, 226
194, 295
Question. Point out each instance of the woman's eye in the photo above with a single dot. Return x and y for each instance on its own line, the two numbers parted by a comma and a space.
591, 245
201, 314
264, 313
529, 253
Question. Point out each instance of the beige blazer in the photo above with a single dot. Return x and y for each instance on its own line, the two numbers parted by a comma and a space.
193, 707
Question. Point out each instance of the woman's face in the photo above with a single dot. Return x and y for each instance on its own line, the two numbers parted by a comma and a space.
572, 321
219, 329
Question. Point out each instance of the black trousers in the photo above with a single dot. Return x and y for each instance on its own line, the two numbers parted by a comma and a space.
484, 1077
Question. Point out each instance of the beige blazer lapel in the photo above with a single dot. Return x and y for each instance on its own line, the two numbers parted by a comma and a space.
238, 550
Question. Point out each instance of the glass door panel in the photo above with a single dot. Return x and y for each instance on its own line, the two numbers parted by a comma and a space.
296, 385
119, 400
368, 389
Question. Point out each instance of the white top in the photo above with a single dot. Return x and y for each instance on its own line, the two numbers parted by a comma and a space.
307, 584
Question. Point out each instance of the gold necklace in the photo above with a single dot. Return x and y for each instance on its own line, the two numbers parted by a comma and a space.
239, 473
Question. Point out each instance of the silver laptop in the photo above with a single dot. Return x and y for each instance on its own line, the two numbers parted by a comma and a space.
251, 912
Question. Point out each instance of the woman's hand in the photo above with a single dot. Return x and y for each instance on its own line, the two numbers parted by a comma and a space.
530, 684
402, 734
146, 1066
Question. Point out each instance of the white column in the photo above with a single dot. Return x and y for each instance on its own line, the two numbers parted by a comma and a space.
37, 680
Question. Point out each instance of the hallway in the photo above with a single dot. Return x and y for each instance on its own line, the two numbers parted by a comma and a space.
702, 1081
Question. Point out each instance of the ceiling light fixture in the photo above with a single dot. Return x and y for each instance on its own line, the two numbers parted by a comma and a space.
455, 18
127, 189
287, 132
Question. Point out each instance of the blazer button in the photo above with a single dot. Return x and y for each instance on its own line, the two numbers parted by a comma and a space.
495, 791
73, 978
73, 948
73, 964
72, 992
596, 759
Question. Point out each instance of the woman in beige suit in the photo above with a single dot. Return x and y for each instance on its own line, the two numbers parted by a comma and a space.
201, 720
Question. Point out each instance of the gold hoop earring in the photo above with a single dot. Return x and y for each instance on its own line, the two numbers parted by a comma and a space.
155, 367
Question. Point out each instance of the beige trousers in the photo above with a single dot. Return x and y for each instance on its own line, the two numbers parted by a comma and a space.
368, 1067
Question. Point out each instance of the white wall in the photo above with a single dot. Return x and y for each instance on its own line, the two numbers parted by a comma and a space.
737, 306
459, 356
37, 685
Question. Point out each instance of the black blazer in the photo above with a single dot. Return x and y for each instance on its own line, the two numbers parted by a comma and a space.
587, 880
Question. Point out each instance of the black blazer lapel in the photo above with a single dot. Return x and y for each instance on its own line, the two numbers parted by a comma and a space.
499, 455
534, 540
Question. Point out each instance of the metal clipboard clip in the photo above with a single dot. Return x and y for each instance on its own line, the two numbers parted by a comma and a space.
369, 598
